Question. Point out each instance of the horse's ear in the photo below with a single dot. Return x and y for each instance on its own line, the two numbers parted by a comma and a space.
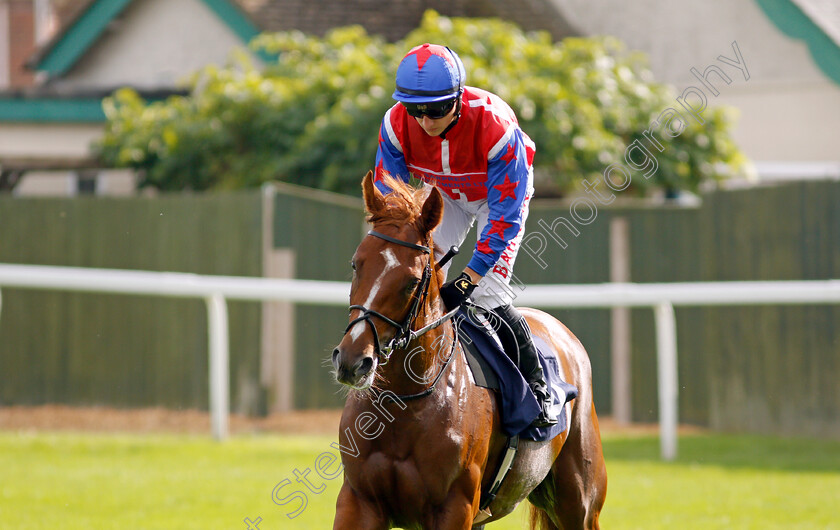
432, 211
374, 201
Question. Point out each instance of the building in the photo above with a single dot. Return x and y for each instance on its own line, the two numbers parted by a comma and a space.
59, 58
83, 51
790, 103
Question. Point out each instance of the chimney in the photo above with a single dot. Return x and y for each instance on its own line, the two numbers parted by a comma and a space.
4, 45
21, 21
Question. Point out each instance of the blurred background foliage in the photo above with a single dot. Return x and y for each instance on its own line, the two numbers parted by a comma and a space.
311, 114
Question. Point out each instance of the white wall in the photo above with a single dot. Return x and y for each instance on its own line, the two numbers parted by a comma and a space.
47, 140
679, 34
788, 108
154, 44
787, 121
64, 142
111, 182
47, 184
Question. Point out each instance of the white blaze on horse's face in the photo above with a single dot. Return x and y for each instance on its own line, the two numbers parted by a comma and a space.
390, 263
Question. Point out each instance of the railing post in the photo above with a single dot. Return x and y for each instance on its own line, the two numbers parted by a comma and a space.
620, 324
217, 320
666, 357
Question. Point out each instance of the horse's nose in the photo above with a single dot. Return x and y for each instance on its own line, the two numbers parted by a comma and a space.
335, 355
350, 374
364, 366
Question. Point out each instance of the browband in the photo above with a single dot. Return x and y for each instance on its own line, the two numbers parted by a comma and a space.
390, 239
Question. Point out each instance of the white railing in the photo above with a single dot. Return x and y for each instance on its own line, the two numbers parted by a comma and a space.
662, 297
215, 290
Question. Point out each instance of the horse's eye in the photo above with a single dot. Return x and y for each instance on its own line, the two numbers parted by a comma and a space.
353, 265
412, 285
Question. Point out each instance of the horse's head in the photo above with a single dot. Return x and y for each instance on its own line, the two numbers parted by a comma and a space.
392, 274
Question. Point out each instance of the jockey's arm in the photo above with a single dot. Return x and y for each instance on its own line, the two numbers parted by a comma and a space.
507, 186
389, 158
474, 276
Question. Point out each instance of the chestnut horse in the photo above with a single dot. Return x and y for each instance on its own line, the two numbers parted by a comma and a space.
420, 442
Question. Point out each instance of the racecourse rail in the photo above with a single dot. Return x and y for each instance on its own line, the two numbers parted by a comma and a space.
216, 290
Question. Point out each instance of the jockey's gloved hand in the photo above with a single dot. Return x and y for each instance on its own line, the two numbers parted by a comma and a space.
455, 292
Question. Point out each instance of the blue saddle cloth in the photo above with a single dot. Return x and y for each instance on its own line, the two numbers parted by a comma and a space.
519, 406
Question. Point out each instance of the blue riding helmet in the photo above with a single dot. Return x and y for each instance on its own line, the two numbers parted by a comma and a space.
429, 73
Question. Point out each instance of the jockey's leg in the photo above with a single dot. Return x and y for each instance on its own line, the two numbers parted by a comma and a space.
495, 292
516, 337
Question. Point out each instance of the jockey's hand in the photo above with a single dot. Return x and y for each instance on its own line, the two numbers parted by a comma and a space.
455, 292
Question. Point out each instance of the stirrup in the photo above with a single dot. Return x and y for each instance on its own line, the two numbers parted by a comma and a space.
544, 419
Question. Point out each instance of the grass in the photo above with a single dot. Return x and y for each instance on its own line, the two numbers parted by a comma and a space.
101, 481
739, 482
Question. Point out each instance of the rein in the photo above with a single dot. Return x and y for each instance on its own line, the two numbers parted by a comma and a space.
431, 388
404, 333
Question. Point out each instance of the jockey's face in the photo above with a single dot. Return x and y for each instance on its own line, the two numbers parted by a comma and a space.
434, 127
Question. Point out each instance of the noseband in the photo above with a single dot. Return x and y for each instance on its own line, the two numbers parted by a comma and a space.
404, 333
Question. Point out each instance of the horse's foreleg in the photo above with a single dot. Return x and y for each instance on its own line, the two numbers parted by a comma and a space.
352, 513
460, 508
453, 516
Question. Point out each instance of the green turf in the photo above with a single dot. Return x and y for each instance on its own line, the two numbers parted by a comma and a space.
100, 481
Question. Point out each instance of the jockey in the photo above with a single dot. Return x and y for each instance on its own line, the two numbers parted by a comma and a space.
467, 141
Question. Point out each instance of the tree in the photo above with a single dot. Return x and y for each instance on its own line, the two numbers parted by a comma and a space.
312, 116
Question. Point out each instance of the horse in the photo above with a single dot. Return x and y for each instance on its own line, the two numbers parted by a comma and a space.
419, 441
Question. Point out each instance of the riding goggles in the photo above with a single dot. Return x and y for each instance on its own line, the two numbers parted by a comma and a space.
435, 110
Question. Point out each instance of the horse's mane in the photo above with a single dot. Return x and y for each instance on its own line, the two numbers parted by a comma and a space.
403, 205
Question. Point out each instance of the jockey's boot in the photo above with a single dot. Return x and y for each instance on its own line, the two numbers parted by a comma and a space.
516, 339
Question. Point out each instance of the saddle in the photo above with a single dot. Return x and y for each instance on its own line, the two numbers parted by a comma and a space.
492, 368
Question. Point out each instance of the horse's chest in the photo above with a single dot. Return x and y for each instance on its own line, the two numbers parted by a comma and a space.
421, 473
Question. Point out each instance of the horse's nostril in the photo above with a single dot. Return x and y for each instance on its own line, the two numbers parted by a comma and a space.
364, 366
335, 357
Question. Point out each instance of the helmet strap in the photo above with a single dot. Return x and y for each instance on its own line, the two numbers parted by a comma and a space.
455, 120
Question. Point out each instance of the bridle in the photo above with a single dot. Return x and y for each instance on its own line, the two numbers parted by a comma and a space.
404, 333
